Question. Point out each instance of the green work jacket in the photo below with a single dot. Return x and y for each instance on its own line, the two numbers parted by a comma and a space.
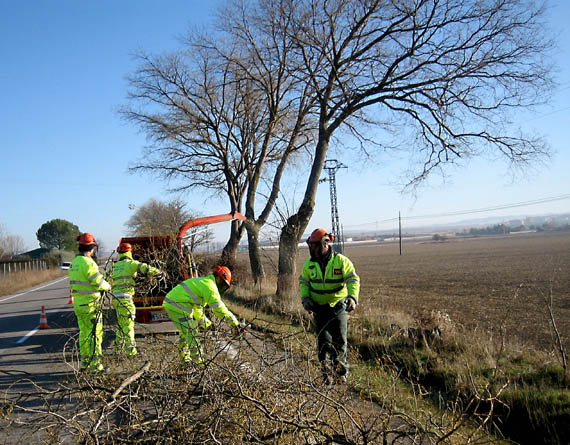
85, 280
339, 281
196, 293
124, 273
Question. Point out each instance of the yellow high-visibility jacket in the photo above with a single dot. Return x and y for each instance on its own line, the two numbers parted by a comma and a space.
125, 271
194, 294
339, 281
85, 280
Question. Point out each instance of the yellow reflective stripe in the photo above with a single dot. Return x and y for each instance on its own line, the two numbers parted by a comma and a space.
124, 277
327, 291
178, 305
85, 292
94, 276
82, 283
192, 294
122, 295
139, 267
303, 281
352, 274
329, 280
217, 304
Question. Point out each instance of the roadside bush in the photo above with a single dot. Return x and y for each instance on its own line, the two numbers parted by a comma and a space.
52, 261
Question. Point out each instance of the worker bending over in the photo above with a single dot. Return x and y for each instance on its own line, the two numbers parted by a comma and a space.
185, 306
86, 283
329, 288
125, 270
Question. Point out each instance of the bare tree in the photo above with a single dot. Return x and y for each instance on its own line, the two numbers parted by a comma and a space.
2, 238
14, 245
188, 111
263, 58
10, 245
446, 71
221, 112
159, 218
450, 71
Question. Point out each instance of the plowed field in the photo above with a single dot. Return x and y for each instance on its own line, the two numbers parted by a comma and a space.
482, 283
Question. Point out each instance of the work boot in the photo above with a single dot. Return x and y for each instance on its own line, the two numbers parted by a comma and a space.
327, 373
328, 379
340, 379
132, 353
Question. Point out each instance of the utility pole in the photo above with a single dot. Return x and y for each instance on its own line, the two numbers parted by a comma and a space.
400, 230
332, 165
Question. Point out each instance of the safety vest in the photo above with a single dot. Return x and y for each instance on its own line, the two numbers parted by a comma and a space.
124, 273
85, 280
339, 281
194, 294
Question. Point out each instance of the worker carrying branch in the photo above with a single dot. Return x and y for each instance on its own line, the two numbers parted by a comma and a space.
125, 270
86, 283
185, 306
329, 288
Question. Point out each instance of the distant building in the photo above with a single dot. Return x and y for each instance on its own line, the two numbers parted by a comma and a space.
63, 255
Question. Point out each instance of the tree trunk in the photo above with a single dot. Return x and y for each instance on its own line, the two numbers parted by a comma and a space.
287, 278
296, 224
254, 253
228, 257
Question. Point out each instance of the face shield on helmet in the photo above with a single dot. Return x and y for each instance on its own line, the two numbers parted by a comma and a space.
224, 273
318, 242
224, 278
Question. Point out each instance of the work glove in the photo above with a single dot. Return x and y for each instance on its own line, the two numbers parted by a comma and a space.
308, 304
239, 330
350, 304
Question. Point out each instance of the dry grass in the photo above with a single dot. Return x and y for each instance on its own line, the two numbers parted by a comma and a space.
489, 298
16, 281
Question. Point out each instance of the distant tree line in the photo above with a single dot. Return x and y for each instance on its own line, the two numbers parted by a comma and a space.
499, 229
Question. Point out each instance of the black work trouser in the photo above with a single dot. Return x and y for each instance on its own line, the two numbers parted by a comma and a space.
331, 325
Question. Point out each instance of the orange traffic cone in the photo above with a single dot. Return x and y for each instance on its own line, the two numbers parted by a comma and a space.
70, 297
43, 319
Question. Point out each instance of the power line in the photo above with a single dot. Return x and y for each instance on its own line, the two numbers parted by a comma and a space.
467, 212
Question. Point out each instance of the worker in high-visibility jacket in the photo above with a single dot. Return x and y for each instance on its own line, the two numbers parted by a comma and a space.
86, 284
125, 270
329, 288
185, 307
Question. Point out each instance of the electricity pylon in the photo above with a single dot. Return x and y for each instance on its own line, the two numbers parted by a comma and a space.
332, 165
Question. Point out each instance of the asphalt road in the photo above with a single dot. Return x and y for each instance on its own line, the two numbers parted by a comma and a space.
45, 355
26, 350
35, 363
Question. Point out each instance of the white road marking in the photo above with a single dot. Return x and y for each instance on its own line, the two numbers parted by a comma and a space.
28, 335
33, 289
32, 332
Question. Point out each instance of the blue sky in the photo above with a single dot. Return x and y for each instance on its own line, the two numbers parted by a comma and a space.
65, 151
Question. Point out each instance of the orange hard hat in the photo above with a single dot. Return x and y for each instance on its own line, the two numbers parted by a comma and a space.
320, 234
224, 273
124, 247
86, 239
